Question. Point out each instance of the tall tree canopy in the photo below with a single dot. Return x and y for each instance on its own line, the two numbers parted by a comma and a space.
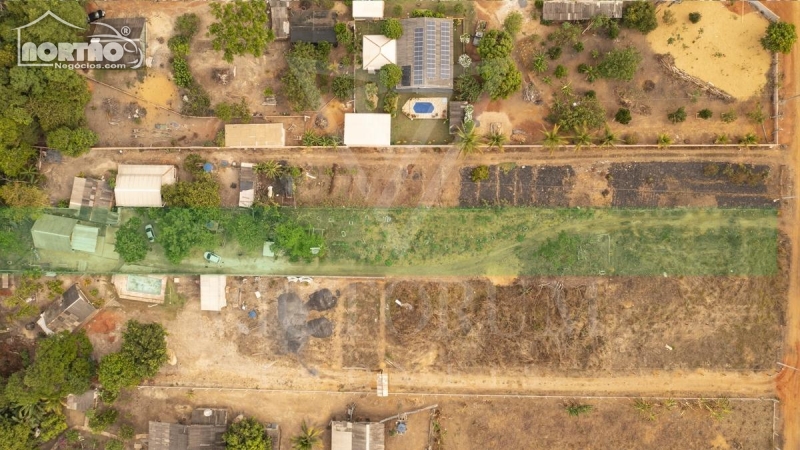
501, 77
640, 15
495, 44
131, 242
242, 28
247, 434
620, 64
780, 37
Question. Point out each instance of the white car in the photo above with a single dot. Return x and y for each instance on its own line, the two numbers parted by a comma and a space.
212, 257
151, 234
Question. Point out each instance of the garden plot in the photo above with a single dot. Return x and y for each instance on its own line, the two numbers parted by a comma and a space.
586, 324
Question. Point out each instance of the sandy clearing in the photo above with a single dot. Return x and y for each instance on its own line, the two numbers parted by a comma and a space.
726, 53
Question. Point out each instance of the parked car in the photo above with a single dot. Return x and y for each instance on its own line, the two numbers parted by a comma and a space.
151, 235
212, 257
95, 16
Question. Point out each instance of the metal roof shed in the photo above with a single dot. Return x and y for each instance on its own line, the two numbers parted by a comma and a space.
247, 185
255, 135
212, 292
367, 9
367, 130
53, 233
84, 238
67, 313
357, 436
568, 10
140, 185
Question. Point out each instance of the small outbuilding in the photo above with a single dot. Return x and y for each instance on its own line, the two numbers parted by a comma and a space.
63, 234
141, 288
247, 185
575, 10
367, 130
204, 433
378, 51
140, 185
255, 135
212, 292
91, 199
368, 9
67, 313
357, 436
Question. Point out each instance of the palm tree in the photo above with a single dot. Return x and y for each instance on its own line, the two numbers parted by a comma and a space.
271, 169
307, 439
495, 139
664, 140
608, 139
721, 138
552, 139
748, 139
582, 138
468, 139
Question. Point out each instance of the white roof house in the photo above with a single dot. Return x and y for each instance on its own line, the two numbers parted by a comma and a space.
212, 292
378, 50
140, 185
367, 130
367, 9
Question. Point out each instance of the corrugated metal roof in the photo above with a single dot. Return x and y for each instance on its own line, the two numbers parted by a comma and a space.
357, 436
167, 173
84, 238
167, 436
138, 190
367, 130
219, 416
68, 312
255, 135
246, 185
367, 9
212, 292
567, 10
53, 233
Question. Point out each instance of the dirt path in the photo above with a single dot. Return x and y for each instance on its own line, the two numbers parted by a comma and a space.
788, 380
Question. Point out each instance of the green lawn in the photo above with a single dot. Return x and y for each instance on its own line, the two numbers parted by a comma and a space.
419, 131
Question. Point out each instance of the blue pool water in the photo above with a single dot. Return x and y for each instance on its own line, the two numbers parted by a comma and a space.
423, 107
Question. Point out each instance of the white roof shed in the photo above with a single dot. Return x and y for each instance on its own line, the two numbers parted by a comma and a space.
367, 130
140, 185
367, 9
378, 51
212, 292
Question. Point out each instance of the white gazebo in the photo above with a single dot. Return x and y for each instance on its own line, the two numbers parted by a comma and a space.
367, 130
378, 50
367, 9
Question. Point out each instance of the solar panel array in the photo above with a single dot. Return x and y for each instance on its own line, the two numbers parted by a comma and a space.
430, 49
445, 54
418, 46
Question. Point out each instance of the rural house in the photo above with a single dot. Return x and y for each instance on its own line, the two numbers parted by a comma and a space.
367, 130
204, 433
92, 200
377, 51
63, 234
312, 26
357, 436
67, 313
425, 54
140, 185
367, 9
573, 10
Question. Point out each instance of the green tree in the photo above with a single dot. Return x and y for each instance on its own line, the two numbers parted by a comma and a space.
552, 139
14, 161
308, 439
343, 86
131, 243
203, 192
300, 80
114, 444
467, 139
179, 45
677, 116
182, 229
72, 142
495, 44
480, 173
22, 13
501, 77
223, 111
640, 15
62, 365
623, 116
298, 240
14, 435
608, 139
100, 420
146, 346
780, 37
247, 434
554, 52
695, 17
116, 371
582, 138
705, 113
513, 23
467, 88
187, 25
390, 75
241, 28
620, 64
23, 195
392, 29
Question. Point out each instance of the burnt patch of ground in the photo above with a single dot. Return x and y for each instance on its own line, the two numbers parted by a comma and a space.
509, 185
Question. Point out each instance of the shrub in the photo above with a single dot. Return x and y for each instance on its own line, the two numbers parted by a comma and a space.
392, 29
397, 11
458, 9
554, 52
780, 37
467, 88
613, 30
640, 15
390, 104
678, 116
705, 113
695, 17
513, 23
480, 173
126, 432
390, 75
620, 64
668, 17
343, 87
631, 139
181, 73
578, 47
179, 46
223, 111
99, 421
560, 71
729, 116
623, 116
187, 25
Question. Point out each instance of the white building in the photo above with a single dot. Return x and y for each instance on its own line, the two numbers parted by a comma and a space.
367, 130
378, 50
367, 9
140, 185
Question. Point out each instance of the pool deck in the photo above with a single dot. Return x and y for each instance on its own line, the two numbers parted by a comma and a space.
439, 108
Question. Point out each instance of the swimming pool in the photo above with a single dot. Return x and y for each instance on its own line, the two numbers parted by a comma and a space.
423, 107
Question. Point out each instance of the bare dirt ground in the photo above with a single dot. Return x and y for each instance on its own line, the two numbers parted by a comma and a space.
480, 422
